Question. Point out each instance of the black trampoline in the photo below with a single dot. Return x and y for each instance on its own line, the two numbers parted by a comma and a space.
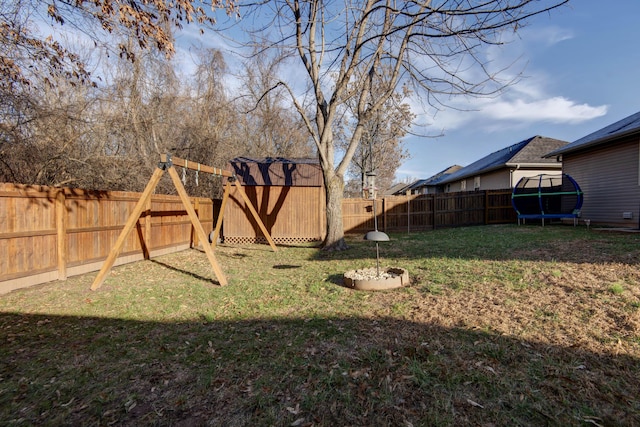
547, 196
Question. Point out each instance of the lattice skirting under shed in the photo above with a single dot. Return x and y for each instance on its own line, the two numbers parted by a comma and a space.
241, 240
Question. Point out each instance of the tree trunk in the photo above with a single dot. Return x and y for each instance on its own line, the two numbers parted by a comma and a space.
334, 187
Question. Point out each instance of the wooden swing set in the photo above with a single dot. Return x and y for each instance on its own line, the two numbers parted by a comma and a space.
167, 163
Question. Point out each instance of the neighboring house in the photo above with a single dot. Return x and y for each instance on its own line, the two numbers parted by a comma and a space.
398, 188
606, 165
504, 168
422, 186
431, 185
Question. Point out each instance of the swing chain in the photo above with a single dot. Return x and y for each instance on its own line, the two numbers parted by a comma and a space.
184, 172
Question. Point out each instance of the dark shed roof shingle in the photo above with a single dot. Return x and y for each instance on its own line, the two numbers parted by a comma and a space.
278, 171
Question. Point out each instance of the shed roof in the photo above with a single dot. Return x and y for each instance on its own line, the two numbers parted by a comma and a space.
527, 153
628, 126
277, 171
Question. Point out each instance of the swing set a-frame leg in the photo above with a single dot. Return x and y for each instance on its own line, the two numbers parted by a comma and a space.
256, 216
225, 197
247, 201
135, 215
202, 235
131, 222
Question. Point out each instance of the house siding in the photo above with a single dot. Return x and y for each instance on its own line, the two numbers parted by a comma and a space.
518, 174
499, 179
608, 176
496, 180
452, 187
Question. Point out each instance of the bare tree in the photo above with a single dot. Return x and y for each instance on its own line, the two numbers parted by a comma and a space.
381, 150
46, 133
102, 145
28, 54
270, 125
150, 110
210, 133
436, 46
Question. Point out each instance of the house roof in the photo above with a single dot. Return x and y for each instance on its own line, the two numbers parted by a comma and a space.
435, 179
400, 187
416, 184
527, 153
625, 127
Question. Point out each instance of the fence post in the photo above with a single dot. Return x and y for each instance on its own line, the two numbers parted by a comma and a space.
433, 210
486, 207
384, 213
61, 233
408, 213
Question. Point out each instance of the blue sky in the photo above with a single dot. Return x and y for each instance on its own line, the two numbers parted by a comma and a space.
580, 68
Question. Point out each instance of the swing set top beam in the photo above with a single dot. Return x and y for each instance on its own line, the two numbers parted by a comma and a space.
177, 161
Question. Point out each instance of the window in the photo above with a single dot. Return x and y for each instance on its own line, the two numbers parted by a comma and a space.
463, 185
476, 183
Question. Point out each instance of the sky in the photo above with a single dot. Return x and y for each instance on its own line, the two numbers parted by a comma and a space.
580, 66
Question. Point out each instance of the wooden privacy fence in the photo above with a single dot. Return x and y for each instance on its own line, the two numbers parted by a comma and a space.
51, 233
429, 211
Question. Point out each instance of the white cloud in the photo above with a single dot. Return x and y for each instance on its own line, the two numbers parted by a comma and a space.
555, 109
530, 100
516, 109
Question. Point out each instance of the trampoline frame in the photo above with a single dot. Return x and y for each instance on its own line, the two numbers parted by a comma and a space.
574, 214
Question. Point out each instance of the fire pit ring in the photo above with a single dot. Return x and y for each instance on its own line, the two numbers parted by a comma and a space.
368, 279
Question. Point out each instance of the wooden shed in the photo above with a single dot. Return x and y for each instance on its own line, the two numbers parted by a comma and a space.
288, 195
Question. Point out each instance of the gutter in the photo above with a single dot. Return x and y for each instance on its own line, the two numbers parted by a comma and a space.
511, 171
592, 144
535, 165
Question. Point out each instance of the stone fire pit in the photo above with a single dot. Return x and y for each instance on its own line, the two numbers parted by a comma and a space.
367, 279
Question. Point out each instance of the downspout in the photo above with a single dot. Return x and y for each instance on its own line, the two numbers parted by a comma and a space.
511, 171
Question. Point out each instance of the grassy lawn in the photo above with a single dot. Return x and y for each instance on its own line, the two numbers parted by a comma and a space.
501, 325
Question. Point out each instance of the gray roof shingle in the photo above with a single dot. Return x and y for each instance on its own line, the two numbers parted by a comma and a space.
524, 153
